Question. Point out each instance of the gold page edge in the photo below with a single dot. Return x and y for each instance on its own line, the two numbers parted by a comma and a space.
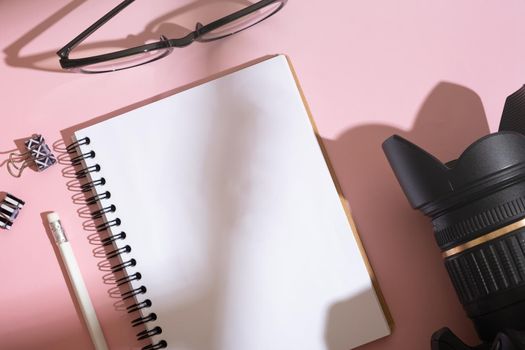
344, 203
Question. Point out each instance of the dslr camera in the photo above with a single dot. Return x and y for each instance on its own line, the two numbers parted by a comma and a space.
477, 207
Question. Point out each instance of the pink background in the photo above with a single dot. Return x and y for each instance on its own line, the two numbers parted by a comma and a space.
435, 72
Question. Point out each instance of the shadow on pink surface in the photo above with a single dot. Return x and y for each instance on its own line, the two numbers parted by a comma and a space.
399, 240
173, 24
346, 320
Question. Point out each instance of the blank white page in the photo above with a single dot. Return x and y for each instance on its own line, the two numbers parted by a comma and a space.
234, 220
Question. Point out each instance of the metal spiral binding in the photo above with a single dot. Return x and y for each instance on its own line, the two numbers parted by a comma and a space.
91, 185
148, 333
82, 173
105, 226
160, 345
135, 277
133, 292
100, 213
72, 148
122, 266
98, 197
139, 306
119, 251
111, 239
141, 320
78, 159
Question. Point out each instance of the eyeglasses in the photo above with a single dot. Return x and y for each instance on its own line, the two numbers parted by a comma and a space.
136, 56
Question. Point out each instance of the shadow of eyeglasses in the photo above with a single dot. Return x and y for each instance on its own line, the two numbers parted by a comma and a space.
174, 24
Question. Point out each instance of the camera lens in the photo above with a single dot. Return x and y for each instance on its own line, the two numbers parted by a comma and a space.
483, 245
477, 207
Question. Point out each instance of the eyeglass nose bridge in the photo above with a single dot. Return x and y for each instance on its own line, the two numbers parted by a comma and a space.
197, 32
164, 39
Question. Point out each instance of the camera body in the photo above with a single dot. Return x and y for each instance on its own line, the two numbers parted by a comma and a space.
477, 207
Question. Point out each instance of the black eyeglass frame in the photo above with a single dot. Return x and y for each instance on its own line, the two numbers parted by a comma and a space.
164, 43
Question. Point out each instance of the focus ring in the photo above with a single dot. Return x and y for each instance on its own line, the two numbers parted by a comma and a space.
475, 225
491, 268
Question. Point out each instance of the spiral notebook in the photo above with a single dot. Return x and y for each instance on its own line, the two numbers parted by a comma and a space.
228, 222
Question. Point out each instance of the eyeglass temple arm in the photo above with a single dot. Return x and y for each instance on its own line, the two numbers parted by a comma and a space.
64, 52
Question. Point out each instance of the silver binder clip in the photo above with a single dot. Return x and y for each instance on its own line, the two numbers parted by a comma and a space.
37, 154
10, 207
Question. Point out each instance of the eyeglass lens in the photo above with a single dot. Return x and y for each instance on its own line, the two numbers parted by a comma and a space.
127, 61
242, 23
